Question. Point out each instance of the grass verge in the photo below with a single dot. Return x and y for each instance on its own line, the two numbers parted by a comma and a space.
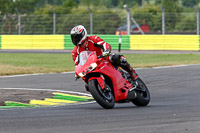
27, 63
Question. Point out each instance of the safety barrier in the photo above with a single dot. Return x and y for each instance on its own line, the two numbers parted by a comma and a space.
113, 40
164, 42
132, 42
32, 42
0, 41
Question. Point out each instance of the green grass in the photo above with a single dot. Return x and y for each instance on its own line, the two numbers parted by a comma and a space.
20, 63
153, 60
23, 63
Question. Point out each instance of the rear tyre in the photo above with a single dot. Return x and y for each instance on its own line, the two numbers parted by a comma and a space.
104, 97
143, 95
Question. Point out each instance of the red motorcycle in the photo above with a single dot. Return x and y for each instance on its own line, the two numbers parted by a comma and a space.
108, 84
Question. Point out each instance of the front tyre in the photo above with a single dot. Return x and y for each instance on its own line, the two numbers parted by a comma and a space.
143, 95
103, 97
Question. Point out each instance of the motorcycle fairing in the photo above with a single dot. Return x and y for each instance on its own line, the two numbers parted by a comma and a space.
100, 81
120, 85
118, 82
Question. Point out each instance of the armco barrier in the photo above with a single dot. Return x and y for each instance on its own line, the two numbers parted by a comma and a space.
125, 42
68, 43
132, 42
199, 43
0, 41
164, 42
32, 42
113, 40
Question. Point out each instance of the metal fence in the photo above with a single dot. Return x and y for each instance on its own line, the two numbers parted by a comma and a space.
158, 23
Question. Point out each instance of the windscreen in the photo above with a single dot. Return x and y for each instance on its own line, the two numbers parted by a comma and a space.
83, 56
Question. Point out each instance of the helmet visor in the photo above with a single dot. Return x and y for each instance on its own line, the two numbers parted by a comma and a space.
76, 38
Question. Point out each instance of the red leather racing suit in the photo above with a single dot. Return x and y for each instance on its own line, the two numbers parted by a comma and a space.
95, 43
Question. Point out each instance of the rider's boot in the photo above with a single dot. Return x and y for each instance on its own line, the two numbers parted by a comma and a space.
134, 75
126, 66
121, 61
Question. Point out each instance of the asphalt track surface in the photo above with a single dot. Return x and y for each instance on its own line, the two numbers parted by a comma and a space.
174, 106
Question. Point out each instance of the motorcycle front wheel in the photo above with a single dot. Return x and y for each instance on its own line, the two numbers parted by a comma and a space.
103, 97
143, 95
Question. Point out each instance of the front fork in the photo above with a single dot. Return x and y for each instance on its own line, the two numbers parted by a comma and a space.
101, 82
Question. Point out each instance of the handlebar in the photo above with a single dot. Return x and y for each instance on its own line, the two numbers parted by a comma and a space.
102, 56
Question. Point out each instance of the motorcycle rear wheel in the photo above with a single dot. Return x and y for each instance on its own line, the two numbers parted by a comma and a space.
143, 95
105, 99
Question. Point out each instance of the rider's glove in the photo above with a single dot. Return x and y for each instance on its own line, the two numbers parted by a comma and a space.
106, 52
76, 77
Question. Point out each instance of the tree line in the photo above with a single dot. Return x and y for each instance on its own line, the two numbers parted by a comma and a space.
147, 11
66, 6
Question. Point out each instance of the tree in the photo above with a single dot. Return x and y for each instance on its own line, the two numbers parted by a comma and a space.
130, 3
6, 6
41, 3
65, 8
158, 2
172, 15
68, 6
171, 5
26, 6
190, 3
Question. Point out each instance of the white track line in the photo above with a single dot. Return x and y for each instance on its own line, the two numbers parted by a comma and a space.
51, 90
174, 66
36, 74
162, 67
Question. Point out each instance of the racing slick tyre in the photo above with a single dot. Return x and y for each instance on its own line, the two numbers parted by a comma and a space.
103, 97
143, 95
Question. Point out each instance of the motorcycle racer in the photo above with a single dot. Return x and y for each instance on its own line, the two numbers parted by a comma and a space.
83, 42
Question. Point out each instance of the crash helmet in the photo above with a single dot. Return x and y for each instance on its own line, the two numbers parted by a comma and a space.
78, 35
